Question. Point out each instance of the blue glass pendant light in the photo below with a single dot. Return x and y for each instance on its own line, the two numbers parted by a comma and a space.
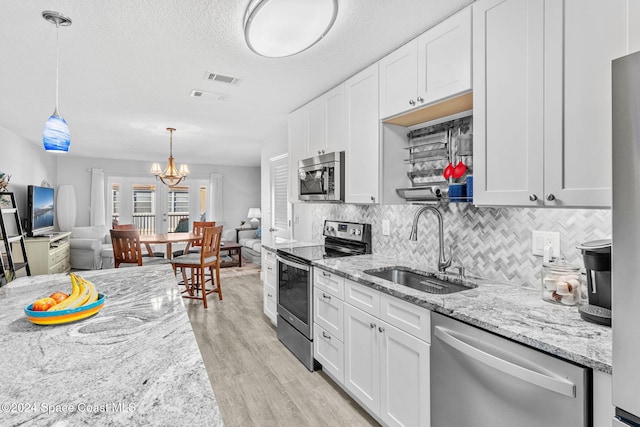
56, 136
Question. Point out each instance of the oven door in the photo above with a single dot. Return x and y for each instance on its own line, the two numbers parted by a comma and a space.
316, 182
294, 294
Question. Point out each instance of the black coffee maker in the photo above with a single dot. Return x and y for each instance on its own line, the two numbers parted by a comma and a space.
597, 262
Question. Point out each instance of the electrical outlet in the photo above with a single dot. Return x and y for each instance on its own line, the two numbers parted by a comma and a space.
540, 239
386, 227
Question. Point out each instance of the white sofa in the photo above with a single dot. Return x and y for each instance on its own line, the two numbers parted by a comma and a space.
251, 242
91, 248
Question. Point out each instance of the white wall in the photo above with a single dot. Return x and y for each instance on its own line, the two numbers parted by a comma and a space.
241, 185
274, 146
27, 163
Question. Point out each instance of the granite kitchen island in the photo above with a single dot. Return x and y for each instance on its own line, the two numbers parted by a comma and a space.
136, 362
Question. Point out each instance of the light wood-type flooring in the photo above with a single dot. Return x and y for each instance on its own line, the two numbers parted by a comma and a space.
256, 380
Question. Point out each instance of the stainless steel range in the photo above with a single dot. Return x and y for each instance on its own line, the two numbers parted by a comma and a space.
295, 282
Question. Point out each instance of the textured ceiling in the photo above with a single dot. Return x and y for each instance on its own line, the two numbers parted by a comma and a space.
127, 69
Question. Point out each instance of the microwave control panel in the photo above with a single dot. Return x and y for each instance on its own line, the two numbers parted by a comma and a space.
344, 230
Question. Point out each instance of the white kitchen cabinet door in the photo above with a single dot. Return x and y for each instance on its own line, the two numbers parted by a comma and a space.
336, 119
508, 45
327, 123
362, 357
329, 351
444, 59
270, 296
398, 80
328, 312
404, 372
298, 135
363, 138
577, 138
317, 120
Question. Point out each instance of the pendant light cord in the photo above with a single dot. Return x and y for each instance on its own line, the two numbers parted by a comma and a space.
57, 62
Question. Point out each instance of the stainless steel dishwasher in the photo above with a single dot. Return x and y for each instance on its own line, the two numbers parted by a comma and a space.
481, 379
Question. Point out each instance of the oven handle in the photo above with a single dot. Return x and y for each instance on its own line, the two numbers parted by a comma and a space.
293, 264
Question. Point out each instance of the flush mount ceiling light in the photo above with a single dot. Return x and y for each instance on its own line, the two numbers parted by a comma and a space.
279, 28
170, 176
56, 136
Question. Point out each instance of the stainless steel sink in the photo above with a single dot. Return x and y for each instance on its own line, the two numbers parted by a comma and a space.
421, 280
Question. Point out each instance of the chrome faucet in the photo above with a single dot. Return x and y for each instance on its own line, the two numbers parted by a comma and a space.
443, 263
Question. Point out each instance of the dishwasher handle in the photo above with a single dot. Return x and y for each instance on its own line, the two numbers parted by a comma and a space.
557, 385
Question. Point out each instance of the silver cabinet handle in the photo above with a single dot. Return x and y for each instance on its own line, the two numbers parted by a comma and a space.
269, 268
533, 197
551, 197
325, 274
326, 296
420, 99
373, 199
269, 295
557, 385
412, 102
372, 325
380, 329
325, 335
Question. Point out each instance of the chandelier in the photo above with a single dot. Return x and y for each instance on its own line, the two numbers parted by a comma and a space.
56, 137
170, 176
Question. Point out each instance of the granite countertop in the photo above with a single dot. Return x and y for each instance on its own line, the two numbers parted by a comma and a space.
278, 243
136, 362
514, 312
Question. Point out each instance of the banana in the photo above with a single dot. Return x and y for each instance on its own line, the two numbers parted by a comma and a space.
75, 293
93, 292
82, 291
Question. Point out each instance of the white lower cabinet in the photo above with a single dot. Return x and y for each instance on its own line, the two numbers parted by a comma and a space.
385, 368
270, 297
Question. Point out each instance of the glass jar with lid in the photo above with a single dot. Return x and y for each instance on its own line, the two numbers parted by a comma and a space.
561, 282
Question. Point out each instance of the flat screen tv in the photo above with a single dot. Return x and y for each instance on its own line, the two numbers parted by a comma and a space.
41, 214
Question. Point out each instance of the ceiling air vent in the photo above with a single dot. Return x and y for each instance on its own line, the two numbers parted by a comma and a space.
222, 78
211, 95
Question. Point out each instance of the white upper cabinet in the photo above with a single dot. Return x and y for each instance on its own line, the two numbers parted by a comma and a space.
362, 156
444, 59
542, 100
327, 123
399, 80
298, 137
432, 67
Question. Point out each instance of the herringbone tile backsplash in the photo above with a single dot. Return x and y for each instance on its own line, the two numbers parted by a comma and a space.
489, 242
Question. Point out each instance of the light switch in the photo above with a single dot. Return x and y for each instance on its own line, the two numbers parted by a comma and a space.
386, 227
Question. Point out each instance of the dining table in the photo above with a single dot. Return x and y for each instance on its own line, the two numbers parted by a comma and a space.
169, 239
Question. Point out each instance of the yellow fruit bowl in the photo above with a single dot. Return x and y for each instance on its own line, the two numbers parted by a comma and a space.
64, 316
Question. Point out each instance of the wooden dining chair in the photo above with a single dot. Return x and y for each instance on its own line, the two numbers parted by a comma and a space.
133, 227
127, 249
195, 246
208, 257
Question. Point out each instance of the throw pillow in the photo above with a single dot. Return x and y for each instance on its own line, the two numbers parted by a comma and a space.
258, 234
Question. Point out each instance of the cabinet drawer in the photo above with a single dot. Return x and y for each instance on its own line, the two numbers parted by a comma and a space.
329, 282
270, 301
60, 267
328, 312
362, 297
329, 351
407, 317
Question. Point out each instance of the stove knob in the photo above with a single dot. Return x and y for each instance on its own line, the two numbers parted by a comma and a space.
330, 229
358, 232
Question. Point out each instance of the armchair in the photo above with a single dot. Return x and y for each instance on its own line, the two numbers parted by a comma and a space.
90, 247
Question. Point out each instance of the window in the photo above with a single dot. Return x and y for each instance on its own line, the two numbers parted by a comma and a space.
279, 182
178, 205
115, 203
144, 208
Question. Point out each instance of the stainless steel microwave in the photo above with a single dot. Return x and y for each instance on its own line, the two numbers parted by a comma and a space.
321, 178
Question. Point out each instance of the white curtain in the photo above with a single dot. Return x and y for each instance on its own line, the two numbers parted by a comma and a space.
215, 208
97, 197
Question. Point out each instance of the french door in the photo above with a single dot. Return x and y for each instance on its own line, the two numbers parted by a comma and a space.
152, 206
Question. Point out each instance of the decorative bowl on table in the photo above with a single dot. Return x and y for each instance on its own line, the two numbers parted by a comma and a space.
64, 316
